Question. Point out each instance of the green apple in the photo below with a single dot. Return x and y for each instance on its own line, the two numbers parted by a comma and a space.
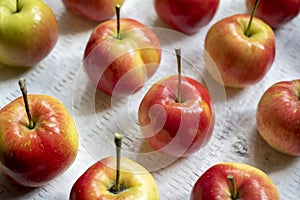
28, 32
37, 143
115, 178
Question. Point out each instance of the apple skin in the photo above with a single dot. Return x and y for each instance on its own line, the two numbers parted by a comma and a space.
251, 183
98, 179
232, 58
186, 16
94, 10
276, 13
33, 157
28, 36
120, 67
278, 116
172, 128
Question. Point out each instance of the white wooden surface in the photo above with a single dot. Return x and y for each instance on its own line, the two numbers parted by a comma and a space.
235, 137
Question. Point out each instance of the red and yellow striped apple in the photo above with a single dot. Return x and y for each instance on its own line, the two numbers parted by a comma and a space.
278, 116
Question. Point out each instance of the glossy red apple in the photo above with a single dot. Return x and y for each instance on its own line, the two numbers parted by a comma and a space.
176, 116
115, 178
96, 10
120, 56
278, 116
38, 144
234, 181
275, 12
186, 16
240, 50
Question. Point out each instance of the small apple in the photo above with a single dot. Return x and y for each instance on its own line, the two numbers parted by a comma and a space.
121, 54
278, 116
275, 12
28, 32
95, 10
230, 180
240, 48
115, 178
176, 115
186, 16
37, 143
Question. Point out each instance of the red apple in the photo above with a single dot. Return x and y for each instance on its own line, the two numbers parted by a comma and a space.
176, 121
278, 116
275, 12
121, 54
28, 32
231, 180
239, 50
186, 16
96, 10
38, 144
115, 178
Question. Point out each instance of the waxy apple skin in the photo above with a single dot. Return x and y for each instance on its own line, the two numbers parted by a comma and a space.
28, 36
251, 183
240, 60
276, 13
95, 10
97, 180
186, 16
33, 157
172, 128
121, 66
278, 116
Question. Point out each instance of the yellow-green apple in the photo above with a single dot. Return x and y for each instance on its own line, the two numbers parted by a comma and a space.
176, 115
276, 12
38, 141
28, 32
186, 16
121, 54
278, 116
240, 48
115, 178
231, 180
96, 10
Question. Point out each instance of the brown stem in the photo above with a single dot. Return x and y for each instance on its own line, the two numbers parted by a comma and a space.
22, 84
118, 21
118, 143
17, 6
247, 33
234, 192
178, 56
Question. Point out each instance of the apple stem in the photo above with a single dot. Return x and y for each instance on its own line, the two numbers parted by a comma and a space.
22, 84
247, 33
17, 5
118, 21
118, 143
234, 192
178, 56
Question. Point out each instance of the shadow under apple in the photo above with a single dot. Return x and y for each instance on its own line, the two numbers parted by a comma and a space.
70, 23
269, 159
7, 72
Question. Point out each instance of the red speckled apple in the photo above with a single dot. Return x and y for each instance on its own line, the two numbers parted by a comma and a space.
234, 181
275, 12
176, 116
240, 48
115, 178
121, 55
278, 116
186, 16
96, 10
38, 145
